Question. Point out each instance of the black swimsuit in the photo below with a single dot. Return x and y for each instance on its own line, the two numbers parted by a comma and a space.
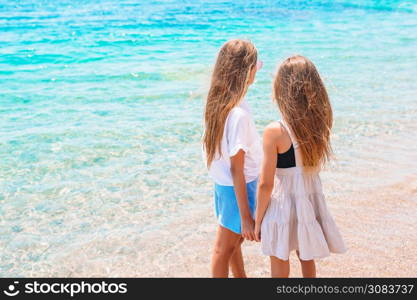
286, 159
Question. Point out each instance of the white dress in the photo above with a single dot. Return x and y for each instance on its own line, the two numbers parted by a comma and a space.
297, 217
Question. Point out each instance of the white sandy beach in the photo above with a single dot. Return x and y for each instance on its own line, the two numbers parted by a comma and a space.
378, 227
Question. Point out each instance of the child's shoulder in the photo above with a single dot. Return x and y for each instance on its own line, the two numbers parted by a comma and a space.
238, 113
274, 130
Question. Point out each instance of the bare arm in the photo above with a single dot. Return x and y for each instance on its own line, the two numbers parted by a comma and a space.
239, 182
266, 181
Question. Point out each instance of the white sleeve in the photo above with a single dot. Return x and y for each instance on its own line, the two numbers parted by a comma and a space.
238, 133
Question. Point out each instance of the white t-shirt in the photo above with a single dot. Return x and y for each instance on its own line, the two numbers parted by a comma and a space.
239, 133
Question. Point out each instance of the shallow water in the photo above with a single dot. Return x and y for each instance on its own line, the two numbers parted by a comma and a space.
101, 105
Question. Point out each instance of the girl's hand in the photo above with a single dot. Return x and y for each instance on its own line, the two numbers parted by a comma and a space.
257, 232
248, 225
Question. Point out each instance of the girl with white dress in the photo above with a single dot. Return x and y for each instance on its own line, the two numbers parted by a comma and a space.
291, 210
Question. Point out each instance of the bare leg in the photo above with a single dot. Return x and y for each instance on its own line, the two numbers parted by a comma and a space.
236, 262
308, 267
279, 268
224, 248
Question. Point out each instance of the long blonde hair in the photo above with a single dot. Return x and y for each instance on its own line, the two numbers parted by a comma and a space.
303, 101
229, 83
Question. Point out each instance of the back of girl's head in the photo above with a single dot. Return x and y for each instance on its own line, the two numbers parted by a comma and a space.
229, 83
304, 104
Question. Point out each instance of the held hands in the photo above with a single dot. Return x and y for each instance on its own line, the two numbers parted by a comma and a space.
249, 229
248, 226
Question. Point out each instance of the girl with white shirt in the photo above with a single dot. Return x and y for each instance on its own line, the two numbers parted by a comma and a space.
233, 152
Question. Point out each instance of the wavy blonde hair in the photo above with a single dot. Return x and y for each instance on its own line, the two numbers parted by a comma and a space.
303, 101
229, 84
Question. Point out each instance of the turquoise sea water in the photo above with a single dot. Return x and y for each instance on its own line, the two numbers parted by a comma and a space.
101, 107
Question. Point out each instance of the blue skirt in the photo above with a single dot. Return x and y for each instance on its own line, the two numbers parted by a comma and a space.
226, 207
